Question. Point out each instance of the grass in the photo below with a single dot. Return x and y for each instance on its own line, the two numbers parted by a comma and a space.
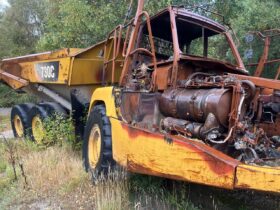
56, 179
52, 169
5, 123
56, 174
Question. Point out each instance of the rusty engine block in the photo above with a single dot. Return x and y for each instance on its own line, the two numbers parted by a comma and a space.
204, 107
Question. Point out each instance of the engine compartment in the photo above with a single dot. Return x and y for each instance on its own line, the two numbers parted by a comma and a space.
226, 113
229, 114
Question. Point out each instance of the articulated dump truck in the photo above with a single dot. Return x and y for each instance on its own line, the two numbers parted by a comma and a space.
166, 95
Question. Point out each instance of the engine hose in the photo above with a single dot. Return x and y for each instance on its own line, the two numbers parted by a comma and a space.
225, 140
194, 75
252, 88
199, 73
240, 105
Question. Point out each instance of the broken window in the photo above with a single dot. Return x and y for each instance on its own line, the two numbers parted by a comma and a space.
163, 47
162, 37
196, 40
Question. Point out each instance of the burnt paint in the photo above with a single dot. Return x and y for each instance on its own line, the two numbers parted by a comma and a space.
218, 162
99, 74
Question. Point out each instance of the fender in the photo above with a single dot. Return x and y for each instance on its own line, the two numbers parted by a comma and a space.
105, 95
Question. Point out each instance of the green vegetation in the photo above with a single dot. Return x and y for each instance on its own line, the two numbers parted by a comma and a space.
60, 130
9, 97
31, 173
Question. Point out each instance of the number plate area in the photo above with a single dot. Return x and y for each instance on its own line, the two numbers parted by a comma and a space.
47, 71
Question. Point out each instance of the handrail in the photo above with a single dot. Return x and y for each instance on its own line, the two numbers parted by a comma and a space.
144, 13
126, 39
130, 52
141, 49
117, 36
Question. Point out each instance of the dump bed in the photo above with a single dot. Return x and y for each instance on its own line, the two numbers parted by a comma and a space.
68, 66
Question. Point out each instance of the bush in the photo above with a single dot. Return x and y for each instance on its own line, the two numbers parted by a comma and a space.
59, 130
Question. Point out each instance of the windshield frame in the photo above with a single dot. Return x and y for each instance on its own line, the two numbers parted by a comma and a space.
204, 23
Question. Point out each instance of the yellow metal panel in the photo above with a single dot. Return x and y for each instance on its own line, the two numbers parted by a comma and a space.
12, 80
105, 94
24, 66
88, 65
86, 71
62, 53
258, 178
29, 72
150, 153
90, 71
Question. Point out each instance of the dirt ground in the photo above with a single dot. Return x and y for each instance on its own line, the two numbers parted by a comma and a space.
5, 111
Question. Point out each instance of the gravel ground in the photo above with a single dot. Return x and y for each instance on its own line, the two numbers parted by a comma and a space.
5, 111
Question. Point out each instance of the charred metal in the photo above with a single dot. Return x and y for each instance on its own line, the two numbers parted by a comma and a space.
167, 88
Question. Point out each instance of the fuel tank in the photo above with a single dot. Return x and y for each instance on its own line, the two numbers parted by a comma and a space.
196, 104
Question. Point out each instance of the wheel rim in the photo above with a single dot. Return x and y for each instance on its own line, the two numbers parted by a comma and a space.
18, 126
94, 146
37, 129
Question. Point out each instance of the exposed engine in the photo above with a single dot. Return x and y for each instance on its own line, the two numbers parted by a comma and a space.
222, 110
204, 111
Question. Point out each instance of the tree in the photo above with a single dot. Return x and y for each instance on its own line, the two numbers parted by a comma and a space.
254, 15
21, 27
40, 25
75, 23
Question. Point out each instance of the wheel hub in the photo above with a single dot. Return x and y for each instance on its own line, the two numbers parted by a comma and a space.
94, 146
18, 126
38, 129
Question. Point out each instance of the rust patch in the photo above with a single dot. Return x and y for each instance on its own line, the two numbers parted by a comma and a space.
218, 162
168, 139
99, 74
137, 168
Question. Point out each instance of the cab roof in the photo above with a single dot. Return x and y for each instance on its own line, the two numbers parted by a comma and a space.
183, 13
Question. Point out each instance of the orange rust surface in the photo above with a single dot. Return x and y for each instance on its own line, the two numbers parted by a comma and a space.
271, 129
162, 77
261, 82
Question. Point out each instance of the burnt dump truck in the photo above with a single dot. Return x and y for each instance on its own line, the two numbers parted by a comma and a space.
166, 95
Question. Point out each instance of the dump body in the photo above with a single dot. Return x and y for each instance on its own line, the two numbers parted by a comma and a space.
61, 71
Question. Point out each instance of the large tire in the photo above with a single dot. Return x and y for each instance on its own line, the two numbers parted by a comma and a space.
97, 143
38, 114
19, 119
36, 118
